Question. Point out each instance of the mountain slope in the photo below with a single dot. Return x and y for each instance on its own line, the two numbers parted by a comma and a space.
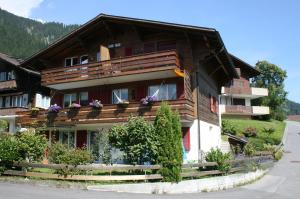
293, 108
22, 37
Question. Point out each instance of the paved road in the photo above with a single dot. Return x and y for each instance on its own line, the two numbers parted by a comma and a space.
283, 181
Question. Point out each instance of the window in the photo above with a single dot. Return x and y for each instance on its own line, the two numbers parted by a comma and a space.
84, 59
98, 57
17, 101
69, 99
2, 76
67, 138
71, 61
84, 98
119, 94
166, 92
11, 75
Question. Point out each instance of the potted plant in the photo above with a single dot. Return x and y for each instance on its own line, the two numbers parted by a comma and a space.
34, 111
148, 100
96, 104
123, 103
74, 106
54, 108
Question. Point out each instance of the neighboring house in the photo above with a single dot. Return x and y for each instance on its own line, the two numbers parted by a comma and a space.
113, 58
237, 95
18, 87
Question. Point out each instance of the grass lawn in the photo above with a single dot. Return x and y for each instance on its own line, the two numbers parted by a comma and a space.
262, 137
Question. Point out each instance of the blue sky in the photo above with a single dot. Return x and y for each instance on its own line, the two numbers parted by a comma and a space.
252, 30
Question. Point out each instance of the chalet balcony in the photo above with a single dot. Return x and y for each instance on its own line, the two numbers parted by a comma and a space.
109, 114
244, 110
9, 111
243, 92
157, 65
8, 85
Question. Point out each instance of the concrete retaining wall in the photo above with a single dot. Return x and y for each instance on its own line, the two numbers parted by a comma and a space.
187, 186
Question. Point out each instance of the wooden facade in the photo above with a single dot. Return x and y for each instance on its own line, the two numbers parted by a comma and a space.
135, 54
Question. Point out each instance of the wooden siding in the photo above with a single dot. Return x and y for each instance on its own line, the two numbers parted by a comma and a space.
238, 109
111, 68
11, 111
108, 114
8, 85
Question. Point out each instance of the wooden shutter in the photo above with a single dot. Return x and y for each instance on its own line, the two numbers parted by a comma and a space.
186, 138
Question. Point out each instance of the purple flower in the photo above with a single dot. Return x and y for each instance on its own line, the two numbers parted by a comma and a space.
148, 100
96, 104
54, 108
75, 105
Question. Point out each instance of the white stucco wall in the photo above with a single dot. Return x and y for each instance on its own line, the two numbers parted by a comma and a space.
210, 137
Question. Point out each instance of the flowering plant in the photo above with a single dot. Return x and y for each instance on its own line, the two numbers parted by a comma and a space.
54, 108
148, 100
75, 105
96, 104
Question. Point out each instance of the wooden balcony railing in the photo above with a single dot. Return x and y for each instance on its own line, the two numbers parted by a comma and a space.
238, 109
115, 67
11, 110
108, 114
7, 85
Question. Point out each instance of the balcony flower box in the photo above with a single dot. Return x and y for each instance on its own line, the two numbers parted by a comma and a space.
123, 103
96, 104
148, 100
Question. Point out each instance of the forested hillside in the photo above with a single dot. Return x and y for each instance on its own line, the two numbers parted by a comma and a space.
22, 37
293, 108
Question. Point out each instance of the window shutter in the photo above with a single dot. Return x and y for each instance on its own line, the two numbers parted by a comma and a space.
186, 138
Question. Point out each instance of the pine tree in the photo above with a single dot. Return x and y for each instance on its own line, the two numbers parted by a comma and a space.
168, 130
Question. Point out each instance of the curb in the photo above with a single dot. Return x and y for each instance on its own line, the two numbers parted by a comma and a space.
187, 186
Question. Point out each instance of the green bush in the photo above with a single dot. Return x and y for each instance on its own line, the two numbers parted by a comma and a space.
3, 125
32, 145
250, 132
216, 155
60, 154
9, 150
278, 155
228, 128
56, 153
170, 153
136, 139
249, 150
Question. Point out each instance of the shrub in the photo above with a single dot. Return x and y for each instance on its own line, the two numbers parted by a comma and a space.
56, 152
76, 157
278, 155
9, 150
3, 125
268, 131
270, 148
249, 150
216, 155
250, 132
228, 128
136, 139
170, 155
32, 145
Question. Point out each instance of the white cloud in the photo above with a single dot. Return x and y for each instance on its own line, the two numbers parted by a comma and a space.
20, 7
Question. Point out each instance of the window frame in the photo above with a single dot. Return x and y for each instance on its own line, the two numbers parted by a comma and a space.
80, 60
70, 99
87, 99
72, 61
167, 93
119, 92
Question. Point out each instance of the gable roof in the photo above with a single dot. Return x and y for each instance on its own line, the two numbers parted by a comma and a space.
244, 66
214, 34
14, 62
